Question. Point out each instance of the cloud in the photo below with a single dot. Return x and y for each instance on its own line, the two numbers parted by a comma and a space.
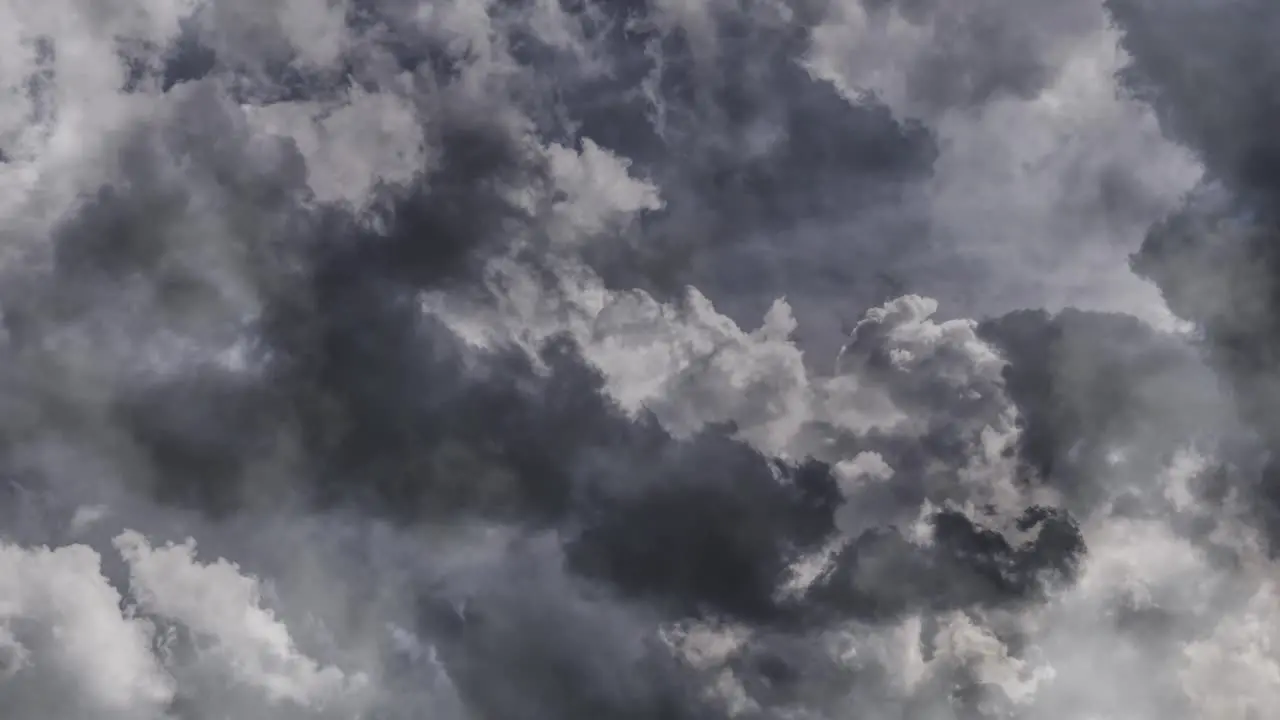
1213, 258
541, 360
1047, 175
68, 648
219, 606
349, 149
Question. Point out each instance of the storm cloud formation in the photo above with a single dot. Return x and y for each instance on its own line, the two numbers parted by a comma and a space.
529, 360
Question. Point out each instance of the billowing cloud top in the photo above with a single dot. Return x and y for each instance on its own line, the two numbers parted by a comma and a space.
543, 359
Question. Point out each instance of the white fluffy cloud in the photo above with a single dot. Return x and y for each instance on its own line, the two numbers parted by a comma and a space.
352, 145
222, 609
69, 648
182, 632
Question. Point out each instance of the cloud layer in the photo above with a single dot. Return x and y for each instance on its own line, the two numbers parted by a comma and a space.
531, 360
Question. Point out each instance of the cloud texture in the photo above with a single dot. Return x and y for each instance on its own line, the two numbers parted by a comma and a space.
542, 359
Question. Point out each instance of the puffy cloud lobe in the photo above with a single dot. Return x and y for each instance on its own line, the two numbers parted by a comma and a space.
965, 54
312, 33
217, 604
73, 646
352, 147
68, 648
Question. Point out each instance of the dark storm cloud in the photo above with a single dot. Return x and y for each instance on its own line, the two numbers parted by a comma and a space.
752, 153
884, 575
1090, 385
353, 399
1207, 70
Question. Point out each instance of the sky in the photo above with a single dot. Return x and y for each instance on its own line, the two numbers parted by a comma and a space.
639, 359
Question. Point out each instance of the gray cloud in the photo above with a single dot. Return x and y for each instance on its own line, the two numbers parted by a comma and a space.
541, 360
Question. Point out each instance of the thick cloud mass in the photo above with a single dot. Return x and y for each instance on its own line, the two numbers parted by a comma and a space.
531, 360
